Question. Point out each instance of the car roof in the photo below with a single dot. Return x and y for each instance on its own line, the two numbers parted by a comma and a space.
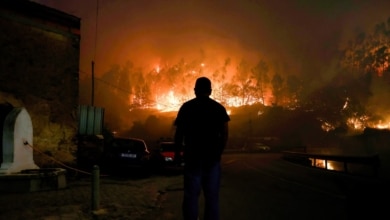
134, 140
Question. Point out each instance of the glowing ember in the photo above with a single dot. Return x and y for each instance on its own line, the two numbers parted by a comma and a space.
346, 103
327, 126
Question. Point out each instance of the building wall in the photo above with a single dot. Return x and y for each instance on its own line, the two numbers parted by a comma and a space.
39, 69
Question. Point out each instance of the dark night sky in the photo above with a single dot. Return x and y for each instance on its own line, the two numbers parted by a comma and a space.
297, 36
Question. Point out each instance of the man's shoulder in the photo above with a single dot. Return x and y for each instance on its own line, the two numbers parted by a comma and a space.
187, 106
217, 104
189, 102
196, 102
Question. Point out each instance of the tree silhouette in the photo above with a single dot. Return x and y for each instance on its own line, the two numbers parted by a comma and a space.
260, 73
277, 87
294, 89
244, 81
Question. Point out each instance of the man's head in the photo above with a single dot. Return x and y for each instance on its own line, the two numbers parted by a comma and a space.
202, 87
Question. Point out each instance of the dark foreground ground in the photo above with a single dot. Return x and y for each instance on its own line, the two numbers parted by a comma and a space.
120, 197
276, 194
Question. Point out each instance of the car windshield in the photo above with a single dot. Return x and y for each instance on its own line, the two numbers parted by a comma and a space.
128, 143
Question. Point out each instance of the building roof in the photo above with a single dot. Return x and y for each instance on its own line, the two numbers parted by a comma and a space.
17, 9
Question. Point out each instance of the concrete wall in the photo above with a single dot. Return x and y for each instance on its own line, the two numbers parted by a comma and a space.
39, 69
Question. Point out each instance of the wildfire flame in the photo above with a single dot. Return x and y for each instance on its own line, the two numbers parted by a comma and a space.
170, 102
381, 125
171, 99
356, 123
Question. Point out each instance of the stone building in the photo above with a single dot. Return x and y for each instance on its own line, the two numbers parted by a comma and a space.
39, 70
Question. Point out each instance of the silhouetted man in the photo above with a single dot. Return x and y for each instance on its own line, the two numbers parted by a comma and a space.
202, 127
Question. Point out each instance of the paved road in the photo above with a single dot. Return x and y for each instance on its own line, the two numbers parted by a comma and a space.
263, 186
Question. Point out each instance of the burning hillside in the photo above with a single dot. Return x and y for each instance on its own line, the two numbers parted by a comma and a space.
346, 102
251, 60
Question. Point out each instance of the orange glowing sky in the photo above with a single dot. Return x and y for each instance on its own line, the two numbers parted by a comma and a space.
296, 36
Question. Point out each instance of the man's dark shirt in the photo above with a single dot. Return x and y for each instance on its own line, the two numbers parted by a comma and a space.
200, 127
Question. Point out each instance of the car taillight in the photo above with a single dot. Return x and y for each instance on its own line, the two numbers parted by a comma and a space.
168, 154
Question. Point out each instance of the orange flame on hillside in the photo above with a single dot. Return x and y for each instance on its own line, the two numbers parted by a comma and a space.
171, 102
171, 98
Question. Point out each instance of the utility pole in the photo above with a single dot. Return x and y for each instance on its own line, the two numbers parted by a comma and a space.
93, 83
93, 61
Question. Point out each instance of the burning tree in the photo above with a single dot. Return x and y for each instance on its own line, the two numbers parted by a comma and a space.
369, 52
366, 60
260, 73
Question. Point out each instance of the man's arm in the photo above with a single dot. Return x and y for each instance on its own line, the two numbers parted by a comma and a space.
178, 139
225, 135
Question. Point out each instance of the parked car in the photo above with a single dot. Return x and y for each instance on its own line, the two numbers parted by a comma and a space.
122, 153
261, 147
167, 155
256, 147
